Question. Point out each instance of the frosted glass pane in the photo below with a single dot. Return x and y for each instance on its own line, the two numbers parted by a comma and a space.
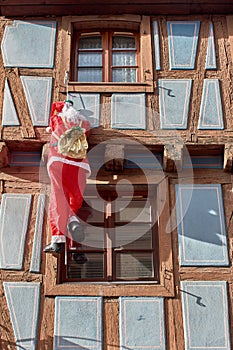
124, 59
123, 42
96, 209
94, 237
92, 268
90, 59
90, 43
137, 265
133, 235
124, 75
139, 211
143, 242
89, 75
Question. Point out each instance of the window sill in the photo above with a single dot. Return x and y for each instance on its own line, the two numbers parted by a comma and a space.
111, 290
108, 87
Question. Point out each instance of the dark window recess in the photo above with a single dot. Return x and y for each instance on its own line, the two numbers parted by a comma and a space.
203, 162
144, 159
17, 158
121, 238
207, 158
106, 57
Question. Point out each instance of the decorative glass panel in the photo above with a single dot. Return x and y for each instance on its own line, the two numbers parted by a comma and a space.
14, 218
123, 42
142, 323
78, 323
89, 75
128, 111
91, 59
29, 44
90, 43
23, 301
182, 43
134, 265
201, 225
124, 59
206, 315
124, 75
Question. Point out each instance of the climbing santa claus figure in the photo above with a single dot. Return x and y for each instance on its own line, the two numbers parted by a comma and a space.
68, 169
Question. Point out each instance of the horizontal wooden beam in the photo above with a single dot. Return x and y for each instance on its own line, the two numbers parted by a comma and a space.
58, 8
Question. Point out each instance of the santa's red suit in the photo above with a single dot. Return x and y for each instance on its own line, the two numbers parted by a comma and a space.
68, 177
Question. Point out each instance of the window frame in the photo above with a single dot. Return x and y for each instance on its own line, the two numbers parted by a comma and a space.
110, 252
107, 53
165, 286
141, 24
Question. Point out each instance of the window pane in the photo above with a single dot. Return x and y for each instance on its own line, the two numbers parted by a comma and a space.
93, 268
90, 59
123, 59
89, 75
90, 43
94, 237
96, 209
137, 236
123, 42
139, 211
127, 75
141, 241
133, 266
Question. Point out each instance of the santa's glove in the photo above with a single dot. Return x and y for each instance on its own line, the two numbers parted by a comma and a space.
48, 129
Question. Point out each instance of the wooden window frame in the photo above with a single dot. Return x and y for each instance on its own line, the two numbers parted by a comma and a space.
111, 220
107, 53
130, 23
165, 286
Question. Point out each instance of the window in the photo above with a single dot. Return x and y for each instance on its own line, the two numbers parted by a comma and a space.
24, 158
121, 238
107, 56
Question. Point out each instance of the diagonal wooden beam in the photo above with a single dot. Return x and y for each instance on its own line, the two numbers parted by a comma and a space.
20, 102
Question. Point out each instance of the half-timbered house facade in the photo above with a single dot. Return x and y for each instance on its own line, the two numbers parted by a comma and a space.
155, 81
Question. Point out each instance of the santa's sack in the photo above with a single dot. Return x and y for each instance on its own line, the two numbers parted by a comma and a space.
72, 143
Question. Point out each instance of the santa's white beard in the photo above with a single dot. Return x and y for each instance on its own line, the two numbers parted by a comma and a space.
69, 113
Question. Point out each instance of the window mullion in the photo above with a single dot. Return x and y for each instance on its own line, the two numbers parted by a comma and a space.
109, 239
155, 242
106, 54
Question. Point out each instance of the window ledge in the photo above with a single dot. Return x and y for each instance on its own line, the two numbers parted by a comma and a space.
76, 288
108, 87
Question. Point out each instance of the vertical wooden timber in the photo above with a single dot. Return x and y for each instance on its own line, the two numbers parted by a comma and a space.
165, 245
145, 47
111, 324
63, 57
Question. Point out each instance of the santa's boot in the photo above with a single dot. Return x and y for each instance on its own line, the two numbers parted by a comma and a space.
53, 248
76, 230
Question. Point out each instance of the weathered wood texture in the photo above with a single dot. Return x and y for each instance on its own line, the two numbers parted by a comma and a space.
111, 317
35, 180
42, 8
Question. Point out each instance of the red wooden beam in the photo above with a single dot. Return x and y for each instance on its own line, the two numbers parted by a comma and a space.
11, 8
